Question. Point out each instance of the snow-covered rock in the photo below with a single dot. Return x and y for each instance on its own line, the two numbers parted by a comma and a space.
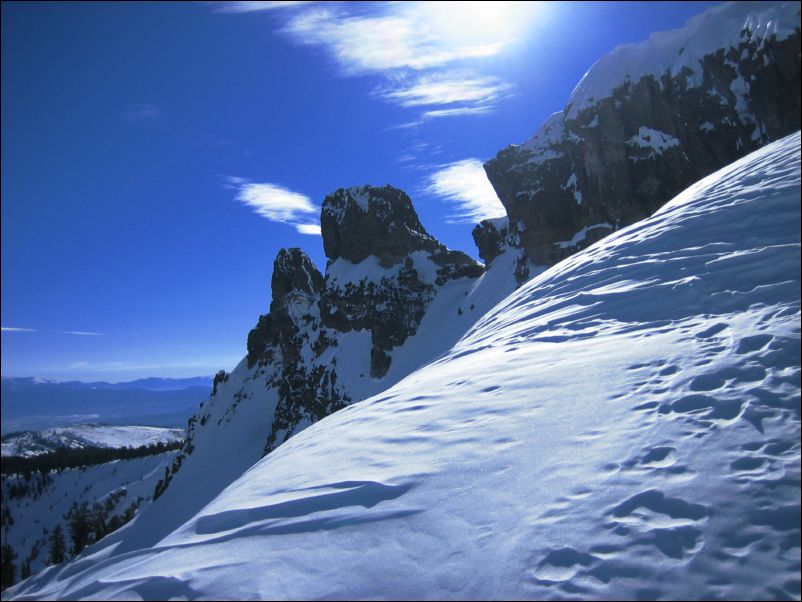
648, 120
684, 51
625, 425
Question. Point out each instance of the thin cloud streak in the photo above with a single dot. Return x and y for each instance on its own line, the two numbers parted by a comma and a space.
82, 333
447, 88
436, 114
465, 184
250, 7
143, 113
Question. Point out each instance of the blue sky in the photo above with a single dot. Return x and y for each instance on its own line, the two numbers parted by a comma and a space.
156, 156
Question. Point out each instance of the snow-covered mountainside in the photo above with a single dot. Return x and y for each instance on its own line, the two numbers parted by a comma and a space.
625, 425
35, 506
34, 443
645, 122
392, 299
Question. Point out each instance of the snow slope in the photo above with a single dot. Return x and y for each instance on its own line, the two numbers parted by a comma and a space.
86, 435
625, 425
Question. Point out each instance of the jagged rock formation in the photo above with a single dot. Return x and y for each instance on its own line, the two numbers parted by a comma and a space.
285, 340
496, 237
359, 223
645, 122
401, 268
362, 221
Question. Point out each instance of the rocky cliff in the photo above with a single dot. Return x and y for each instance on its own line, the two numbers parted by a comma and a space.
645, 122
401, 266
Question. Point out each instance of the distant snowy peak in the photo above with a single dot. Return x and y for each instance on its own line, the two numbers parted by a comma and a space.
648, 120
683, 50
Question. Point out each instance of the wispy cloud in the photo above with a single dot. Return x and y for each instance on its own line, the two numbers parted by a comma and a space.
456, 112
143, 113
93, 369
278, 204
393, 36
81, 333
249, 7
447, 88
465, 184
426, 51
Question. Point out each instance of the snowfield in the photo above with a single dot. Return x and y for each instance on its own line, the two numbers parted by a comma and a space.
625, 425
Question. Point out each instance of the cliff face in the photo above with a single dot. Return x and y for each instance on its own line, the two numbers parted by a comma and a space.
647, 121
384, 271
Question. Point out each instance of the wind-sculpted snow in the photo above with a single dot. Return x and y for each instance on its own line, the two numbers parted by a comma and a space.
626, 425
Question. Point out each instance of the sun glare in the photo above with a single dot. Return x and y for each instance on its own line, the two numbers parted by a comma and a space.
477, 22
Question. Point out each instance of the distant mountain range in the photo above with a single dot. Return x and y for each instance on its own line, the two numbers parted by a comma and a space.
35, 404
151, 384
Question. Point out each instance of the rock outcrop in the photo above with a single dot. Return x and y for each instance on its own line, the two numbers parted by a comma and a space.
365, 221
378, 228
647, 121
384, 270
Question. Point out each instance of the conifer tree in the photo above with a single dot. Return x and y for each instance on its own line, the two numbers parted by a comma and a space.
8, 570
79, 523
58, 549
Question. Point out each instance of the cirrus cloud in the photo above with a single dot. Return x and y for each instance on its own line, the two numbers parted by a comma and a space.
412, 45
81, 333
278, 204
465, 184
